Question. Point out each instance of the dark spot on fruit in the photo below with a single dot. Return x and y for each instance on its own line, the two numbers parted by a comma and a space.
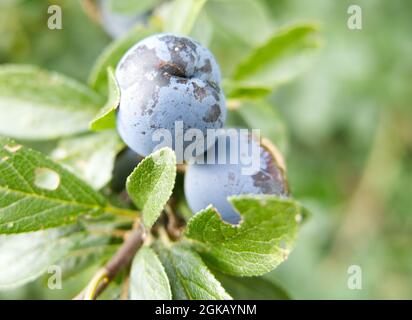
215, 90
207, 67
171, 69
200, 92
179, 48
263, 181
269, 179
181, 43
212, 114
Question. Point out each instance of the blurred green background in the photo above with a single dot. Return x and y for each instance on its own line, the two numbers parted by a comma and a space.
348, 120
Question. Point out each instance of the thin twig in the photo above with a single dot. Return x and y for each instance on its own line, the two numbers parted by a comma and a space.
125, 289
122, 258
174, 226
181, 168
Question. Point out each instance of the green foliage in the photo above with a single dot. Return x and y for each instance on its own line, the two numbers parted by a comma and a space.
111, 55
148, 279
24, 257
177, 261
262, 240
132, 7
90, 251
251, 288
189, 277
151, 183
182, 16
36, 104
245, 20
106, 119
36, 193
260, 114
91, 157
277, 61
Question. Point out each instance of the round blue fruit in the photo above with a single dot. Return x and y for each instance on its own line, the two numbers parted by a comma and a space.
168, 83
242, 165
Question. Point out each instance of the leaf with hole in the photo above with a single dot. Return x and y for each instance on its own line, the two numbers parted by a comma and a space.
36, 193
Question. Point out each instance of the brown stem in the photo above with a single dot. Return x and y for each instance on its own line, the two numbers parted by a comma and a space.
181, 168
122, 258
174, 226
125, 289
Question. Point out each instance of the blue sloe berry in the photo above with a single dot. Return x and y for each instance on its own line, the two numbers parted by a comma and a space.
210, 183
165, 79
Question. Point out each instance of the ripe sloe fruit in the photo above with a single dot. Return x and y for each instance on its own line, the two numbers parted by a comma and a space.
165, 79
209, 183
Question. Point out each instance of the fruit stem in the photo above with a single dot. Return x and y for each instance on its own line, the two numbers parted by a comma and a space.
164, 237
121, 259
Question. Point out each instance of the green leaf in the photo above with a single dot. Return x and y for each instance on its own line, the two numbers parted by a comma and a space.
25, 257
36, 193
151, 183
132, 7
277, 61
260, 114
202, 29
106, 119
182, 16
229, 52
148, 279
189, 277
112, 55
257, 245
92, 250
245, 20
91, 157
37, 104
251, 288
236, 90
